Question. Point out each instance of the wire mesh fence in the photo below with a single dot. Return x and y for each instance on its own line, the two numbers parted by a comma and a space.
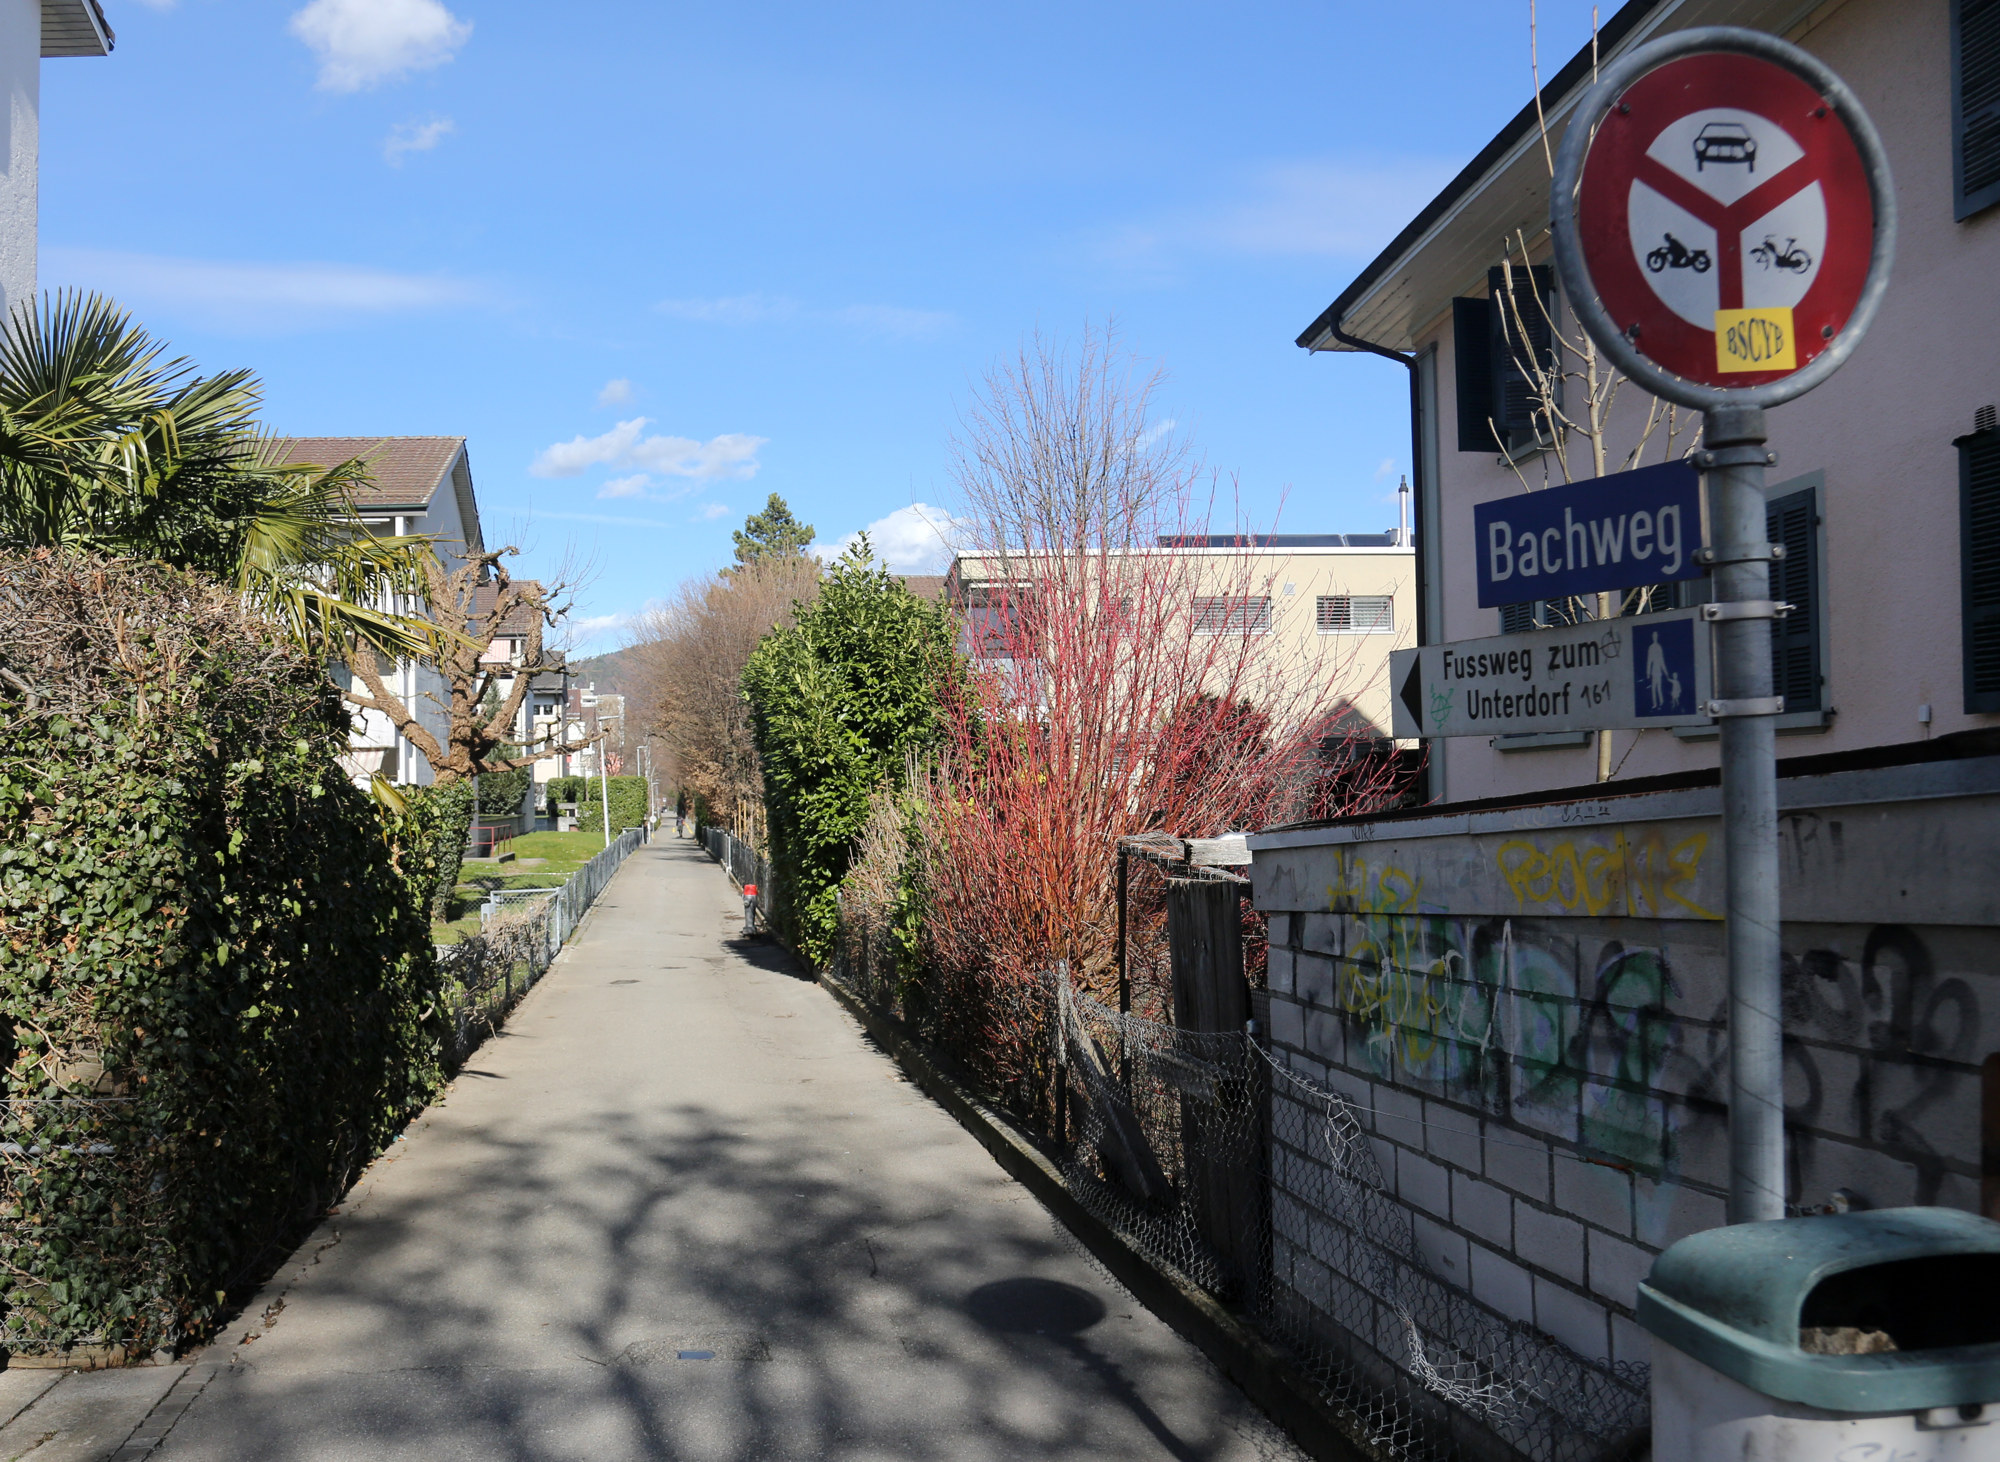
520, 933
57, 1157
1259, 1185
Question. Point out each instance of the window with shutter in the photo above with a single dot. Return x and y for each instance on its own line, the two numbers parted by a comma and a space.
1225, 614
1542, 614
1355, 613
1521, 334
1793, 520
1975, 98
1472, 348
1979, 565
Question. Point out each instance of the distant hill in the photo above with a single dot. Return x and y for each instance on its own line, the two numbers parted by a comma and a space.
609, 671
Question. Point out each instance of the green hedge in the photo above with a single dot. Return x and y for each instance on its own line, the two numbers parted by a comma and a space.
838, 702
217, 976
628, 801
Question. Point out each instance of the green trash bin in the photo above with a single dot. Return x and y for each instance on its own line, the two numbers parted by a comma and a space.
1852, 1336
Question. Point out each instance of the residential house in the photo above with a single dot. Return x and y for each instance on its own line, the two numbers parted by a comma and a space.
420, 485
1895, 633
29, 31
1521, 988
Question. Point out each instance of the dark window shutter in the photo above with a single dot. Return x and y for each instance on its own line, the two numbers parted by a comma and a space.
1975, 111
1471, 329
1793, 520
1979, 566
1520, 333
1516, 617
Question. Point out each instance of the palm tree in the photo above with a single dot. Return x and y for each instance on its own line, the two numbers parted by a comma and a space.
106, 447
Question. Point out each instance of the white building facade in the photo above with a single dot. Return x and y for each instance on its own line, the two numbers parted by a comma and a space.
29, 31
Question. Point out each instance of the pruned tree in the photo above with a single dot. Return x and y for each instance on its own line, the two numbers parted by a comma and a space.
482, 602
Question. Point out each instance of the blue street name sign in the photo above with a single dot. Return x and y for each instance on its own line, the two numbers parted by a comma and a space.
1616, 532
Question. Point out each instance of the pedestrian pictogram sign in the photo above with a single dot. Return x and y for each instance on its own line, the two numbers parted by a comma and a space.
1722, 214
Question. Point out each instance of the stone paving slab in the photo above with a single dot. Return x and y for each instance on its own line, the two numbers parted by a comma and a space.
78, 1416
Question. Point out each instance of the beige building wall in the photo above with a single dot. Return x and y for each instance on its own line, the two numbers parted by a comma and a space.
1354, 661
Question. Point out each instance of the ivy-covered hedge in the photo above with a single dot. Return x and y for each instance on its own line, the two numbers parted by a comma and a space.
430, 833
216, 982
838, 702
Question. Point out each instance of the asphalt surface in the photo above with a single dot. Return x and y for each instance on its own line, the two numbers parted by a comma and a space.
681, 1208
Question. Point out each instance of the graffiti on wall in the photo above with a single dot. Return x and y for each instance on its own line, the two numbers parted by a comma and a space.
1582, 1031
1632, 871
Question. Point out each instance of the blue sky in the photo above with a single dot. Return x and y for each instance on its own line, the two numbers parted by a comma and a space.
784, 239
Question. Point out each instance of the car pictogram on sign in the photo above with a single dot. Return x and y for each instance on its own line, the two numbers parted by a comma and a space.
1725, 142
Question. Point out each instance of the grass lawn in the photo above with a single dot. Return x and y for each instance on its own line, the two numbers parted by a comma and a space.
541, 860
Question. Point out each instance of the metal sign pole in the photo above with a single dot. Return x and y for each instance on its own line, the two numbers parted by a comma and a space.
1739, 555
1678, 114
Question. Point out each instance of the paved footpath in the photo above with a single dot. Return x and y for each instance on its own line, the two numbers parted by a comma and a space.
682, 1209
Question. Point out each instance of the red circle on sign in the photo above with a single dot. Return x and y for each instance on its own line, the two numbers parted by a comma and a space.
1723, 181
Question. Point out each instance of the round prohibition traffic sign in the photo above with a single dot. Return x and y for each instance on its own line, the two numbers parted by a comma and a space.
1723, 218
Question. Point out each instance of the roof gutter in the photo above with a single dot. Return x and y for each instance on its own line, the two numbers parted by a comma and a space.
1408, 360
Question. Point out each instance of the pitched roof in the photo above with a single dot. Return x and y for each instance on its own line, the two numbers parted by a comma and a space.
925, 586
408, 471
520, 619
75, 28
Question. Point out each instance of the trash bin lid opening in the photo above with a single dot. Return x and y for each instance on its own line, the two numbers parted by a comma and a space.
1929, 1303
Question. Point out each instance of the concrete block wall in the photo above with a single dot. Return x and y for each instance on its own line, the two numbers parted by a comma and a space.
1553, 1134
1528, 1020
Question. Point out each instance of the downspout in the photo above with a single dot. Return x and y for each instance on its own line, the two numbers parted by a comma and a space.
1408, 361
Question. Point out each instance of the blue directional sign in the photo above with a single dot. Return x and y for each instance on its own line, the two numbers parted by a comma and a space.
1601, 674
1616, 532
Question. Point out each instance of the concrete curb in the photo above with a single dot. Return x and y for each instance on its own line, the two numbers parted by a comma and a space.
1265, 1373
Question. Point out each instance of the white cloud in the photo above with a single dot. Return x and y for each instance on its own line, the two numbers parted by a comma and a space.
918, 539
255, 298
1318, 208
1154, 432
615, 393
633, 486
735, 309
407, 137
1327, 209
733, 454
362, 42
893, 320
710, 513
765, 309
1387, 468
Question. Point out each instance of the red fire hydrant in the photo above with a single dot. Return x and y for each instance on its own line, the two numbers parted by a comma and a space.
749, 910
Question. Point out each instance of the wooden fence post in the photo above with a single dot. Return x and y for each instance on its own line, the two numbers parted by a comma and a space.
1226, 1194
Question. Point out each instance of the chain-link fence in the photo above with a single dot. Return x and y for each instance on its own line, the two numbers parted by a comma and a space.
1259, 1185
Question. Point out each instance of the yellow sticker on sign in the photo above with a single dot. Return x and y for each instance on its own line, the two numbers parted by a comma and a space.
1755, 340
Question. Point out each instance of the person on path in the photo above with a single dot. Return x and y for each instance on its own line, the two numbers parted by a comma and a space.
680, 815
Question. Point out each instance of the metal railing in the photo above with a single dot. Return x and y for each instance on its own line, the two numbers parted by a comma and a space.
520, 932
